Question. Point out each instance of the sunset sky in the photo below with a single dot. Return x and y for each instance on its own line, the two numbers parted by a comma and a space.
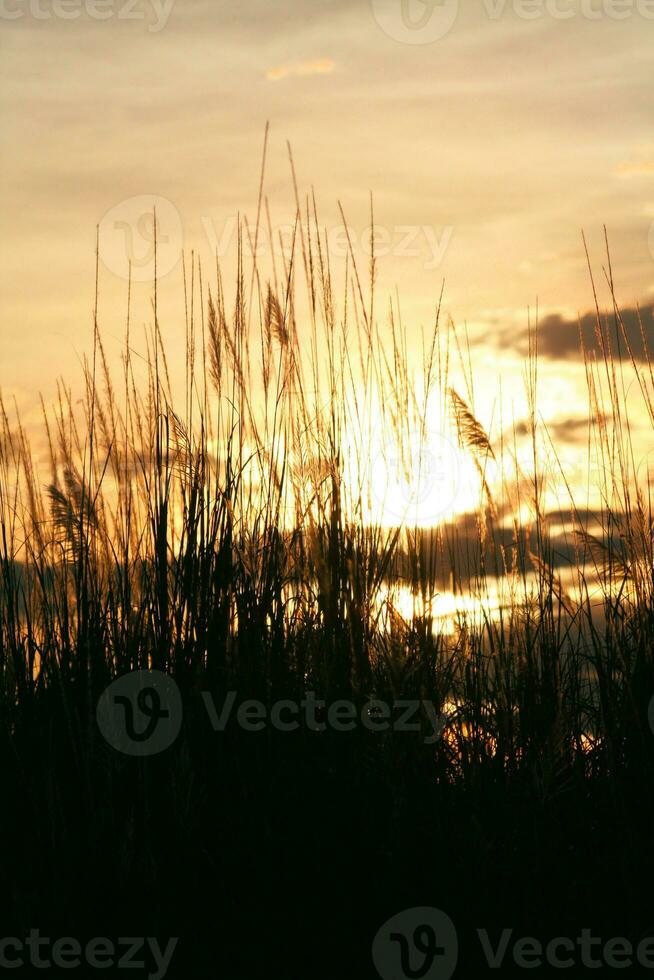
487, 150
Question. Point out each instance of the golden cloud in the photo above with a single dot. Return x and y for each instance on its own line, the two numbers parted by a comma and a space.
316, 66
641, 168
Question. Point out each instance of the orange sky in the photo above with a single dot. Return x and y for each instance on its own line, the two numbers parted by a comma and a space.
490, 134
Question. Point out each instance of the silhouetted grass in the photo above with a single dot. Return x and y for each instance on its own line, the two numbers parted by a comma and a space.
228, 537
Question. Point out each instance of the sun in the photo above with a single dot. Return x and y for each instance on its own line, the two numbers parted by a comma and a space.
415, 475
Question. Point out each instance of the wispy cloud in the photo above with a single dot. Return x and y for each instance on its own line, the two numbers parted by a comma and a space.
640, 168
316, 66
640, 165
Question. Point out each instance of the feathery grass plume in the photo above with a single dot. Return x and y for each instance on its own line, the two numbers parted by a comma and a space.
275, 319
71, 511
472, 435
604, 554
215, 332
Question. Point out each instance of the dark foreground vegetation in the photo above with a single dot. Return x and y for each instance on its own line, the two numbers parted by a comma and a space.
228, 542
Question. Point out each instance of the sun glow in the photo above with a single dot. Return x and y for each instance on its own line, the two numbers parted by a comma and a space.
415, 474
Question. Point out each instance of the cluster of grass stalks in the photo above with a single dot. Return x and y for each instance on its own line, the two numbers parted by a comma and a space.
231, 536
